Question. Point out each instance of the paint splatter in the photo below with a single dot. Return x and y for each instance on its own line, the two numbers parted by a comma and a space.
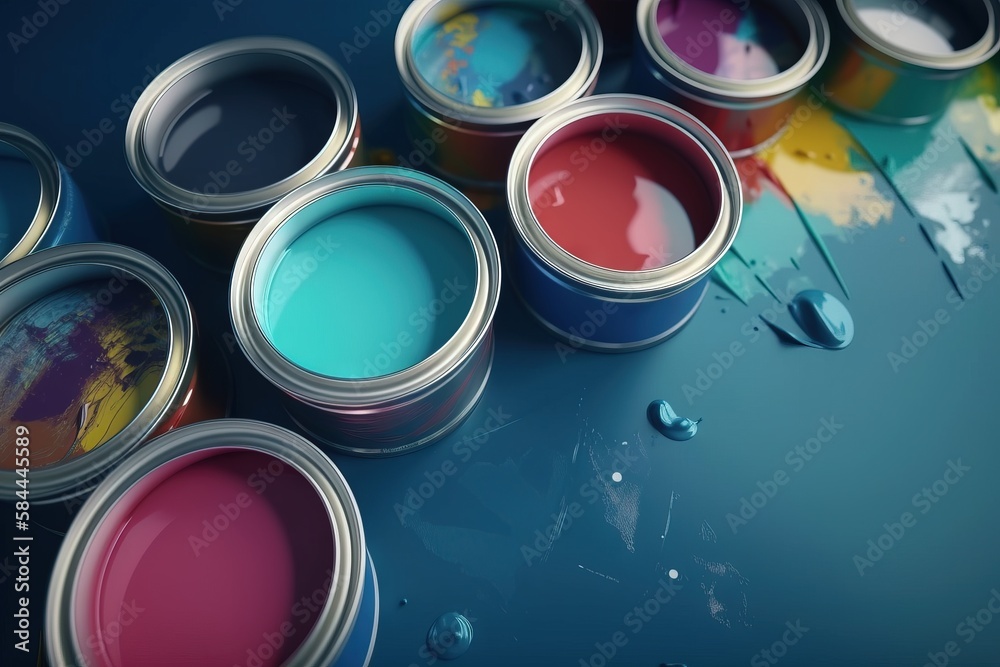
825, 321
76, 370
450, 636
708, 533
621, 500
725, 592
976, 115
669, 424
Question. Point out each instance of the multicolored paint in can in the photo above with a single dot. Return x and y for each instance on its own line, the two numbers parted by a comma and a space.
248, 519
367, 297
741, 67
40, 204
903, 62
477, 73
231, 128
621, 207
97, 355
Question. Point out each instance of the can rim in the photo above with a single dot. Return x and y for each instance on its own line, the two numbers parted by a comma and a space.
51, 176
323, 390
69, 479
579, 83
814, 56
973, 55
336, 153
328, 636
612, 283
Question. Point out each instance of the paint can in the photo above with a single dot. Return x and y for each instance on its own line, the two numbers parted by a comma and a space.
234, 541
97, 355
621, 207
740, 67
905, 62
367, 297
40, 204
477, 74
226, 131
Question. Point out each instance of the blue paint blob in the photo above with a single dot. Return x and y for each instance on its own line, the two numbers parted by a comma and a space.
20, 193
496, 56
824, 319
450, 636
663, 418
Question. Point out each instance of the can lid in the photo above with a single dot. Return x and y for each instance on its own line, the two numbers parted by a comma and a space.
50, 174
193, 76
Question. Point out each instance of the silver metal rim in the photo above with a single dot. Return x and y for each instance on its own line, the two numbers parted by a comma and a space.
814, 56
323, 390
336, 153
45, 163
326, 640
580, 82
74, 477
972, 56
611, 283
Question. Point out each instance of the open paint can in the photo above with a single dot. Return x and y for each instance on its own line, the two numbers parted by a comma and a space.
40, 205
367, 297
903, 62
621, 207
740, 67
229, 542
231, 128
97, 355
477, 73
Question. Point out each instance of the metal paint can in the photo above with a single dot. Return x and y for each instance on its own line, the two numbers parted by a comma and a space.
383, 358
43, 206
744, 89
478, 73
570, 277
903, 62
226, 131
99, 355
336, 627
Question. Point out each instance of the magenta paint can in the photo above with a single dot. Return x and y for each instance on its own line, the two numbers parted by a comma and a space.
741, 67
226, 542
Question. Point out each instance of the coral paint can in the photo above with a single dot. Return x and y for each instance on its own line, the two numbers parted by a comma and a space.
40, 204
621, 207
367, 297
477, 73
904, 63
741, 67
249, 519
231, 128
97, 355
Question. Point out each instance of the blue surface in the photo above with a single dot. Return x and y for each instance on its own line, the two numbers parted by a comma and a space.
830, 446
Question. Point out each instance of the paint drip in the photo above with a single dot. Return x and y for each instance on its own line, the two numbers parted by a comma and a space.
665, 420
824, 319
450, 636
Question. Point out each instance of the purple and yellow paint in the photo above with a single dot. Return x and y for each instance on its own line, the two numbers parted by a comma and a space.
76, 372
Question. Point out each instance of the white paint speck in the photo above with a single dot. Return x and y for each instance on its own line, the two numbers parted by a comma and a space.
673, 574
616, 476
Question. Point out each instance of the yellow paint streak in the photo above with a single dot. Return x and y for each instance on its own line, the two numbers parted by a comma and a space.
814, 164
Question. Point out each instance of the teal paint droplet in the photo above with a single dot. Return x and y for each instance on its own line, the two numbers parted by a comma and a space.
665, 420
824, 319
450, 636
